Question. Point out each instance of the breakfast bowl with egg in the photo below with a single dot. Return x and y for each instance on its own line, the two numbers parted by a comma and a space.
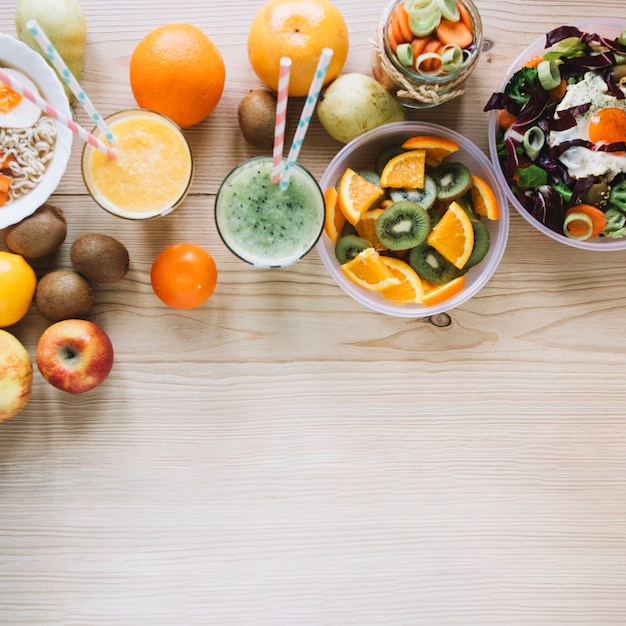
34, 148
557, 134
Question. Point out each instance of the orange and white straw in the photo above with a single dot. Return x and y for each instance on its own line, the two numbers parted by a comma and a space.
281, 117
307, 112
54, 113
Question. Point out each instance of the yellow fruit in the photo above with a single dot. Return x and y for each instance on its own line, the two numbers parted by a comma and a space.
405, 170
357, 195
177, 71
335, 219
368, 270
440, 293
17, 288
453, 236
299, 29
437, 148
410, 290
484, 199
16, 375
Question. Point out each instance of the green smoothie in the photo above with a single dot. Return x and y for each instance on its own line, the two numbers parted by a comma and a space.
264, 225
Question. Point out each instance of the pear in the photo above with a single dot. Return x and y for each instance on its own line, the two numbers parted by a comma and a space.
64, 23
355, 103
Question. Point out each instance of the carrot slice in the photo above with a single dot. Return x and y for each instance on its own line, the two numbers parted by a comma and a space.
506, 119
403, 23
395, 28
454, 33
393, 42
5, 160
431, 65
5, 183
597, 217
464, 15
418, 44
533, 61
556, 94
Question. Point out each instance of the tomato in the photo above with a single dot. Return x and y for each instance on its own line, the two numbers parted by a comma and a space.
183, 275
17, 288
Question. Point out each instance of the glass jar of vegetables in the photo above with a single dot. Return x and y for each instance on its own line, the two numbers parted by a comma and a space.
424, 50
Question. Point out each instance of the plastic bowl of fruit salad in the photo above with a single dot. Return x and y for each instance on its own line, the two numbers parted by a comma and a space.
557, 134
416, 222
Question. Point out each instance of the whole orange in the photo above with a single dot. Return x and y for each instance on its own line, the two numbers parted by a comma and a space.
183, 275
177, 71
299, 29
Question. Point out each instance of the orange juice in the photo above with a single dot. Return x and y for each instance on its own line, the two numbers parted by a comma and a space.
151, 173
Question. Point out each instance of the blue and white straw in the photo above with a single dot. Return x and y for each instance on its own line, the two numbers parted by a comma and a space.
67, 77
307, 112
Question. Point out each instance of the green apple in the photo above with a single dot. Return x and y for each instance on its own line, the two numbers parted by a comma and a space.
64, 23
16, 375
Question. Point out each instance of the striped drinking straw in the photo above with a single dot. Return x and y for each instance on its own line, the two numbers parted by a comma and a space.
281, 117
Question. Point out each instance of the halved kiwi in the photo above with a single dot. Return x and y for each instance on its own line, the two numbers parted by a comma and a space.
348, 247
385, 156
431, 265
481, 244
425, 196
452, 180
402, 225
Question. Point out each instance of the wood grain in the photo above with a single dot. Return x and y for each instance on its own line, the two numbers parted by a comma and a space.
284, 456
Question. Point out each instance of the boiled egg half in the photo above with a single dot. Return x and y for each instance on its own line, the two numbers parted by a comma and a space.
604, 122
15, 110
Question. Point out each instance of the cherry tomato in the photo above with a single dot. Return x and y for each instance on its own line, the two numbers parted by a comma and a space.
17, 288
183, 275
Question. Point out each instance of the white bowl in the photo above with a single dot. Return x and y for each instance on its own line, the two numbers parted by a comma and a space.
361, 153
607, 27
17, 55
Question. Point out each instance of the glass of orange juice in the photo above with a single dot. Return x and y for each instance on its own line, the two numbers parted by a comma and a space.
152, 171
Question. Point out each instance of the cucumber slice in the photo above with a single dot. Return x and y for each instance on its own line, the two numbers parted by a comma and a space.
404, 52
424, 20
549, 74
449, 10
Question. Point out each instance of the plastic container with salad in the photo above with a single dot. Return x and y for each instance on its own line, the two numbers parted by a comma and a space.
557, 134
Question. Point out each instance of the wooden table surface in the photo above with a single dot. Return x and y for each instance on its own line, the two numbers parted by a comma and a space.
282, 455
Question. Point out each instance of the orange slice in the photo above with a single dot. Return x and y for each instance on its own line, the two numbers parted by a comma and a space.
441, 293
484, 199
437, 148
410, 290
405, 170
367, 270
335, 219
356, 195
366, 228
453, 235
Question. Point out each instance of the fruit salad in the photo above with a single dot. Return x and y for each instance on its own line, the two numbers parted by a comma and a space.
411, 227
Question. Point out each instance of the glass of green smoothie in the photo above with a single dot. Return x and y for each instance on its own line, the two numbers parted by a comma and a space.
264, 224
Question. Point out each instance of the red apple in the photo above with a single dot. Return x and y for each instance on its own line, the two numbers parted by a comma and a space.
74, 355
16, 376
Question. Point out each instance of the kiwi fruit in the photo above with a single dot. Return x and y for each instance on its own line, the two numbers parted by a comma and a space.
431, 265
256, 114
452, 180
39, 234
99, 257
402, 225
425, 196
348, 247
348, 229
481, 244
385, 156
369, 175
63, 294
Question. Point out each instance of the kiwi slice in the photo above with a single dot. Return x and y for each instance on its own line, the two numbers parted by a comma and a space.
452, 180
402, 225
348, 229
431, 265
481, 244
425, 196
385, 156
348, 247
370, 175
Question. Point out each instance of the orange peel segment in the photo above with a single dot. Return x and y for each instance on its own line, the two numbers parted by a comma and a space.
335, 219
437, 148
368, 270
405, 170
453, 236
440, 293
484, 199
357, 195
410, 290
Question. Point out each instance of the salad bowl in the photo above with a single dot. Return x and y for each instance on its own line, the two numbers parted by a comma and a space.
544, 201
361, 154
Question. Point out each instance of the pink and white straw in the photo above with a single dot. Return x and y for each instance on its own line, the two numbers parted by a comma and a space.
54, 113
281, 117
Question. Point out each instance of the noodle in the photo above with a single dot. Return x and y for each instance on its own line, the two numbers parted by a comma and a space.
33, 149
